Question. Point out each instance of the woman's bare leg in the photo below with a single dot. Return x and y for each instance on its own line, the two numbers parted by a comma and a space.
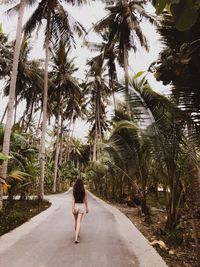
78, 226
75, 220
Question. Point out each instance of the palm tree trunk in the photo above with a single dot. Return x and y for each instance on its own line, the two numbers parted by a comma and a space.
71, 139
57, 153
44, 118
61, 149
99, 128
29, 117
96, 137
195, 201
126, 66
11, 101
68, 139
94, 157
70, 136
114, 100
39, 121
99, 120
15, 113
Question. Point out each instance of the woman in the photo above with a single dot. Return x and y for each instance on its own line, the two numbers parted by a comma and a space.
79, 205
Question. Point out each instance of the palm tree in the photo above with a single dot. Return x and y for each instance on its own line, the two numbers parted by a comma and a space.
5, 59
105, 59
156, 117
11, 101
76, 154
6, 54
64, 92
181, 53
99, 92
29, 83
123, 25
58, 26
23, 166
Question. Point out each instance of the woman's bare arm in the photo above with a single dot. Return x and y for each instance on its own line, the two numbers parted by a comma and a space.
86, 202
73, 203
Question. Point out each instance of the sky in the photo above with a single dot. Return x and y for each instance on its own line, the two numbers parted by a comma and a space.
87, 15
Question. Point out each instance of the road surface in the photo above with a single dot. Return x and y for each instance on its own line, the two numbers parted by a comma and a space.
108, 239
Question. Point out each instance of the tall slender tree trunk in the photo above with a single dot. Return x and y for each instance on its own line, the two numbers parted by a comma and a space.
11, 101
39, 122
126, 67
57, 152
195, 200
44, 117
125, 48
71, 137
113, 93
95, 146
68, 139
61, 149
114, 100
94, 156
29, 117
15, 108
99, 128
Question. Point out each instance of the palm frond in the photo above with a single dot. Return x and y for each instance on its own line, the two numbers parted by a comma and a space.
35, 20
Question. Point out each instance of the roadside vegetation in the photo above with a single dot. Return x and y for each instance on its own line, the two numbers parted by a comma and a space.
18, 212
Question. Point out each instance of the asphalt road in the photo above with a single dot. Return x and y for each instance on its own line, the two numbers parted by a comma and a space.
108, 239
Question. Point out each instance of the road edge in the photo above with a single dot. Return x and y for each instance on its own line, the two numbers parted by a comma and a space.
146, 254
9, 239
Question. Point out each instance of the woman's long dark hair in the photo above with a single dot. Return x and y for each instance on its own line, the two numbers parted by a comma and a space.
79, 191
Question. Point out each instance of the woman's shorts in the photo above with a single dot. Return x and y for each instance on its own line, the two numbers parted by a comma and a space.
79, 208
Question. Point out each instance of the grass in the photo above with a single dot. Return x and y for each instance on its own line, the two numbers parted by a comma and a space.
17, 212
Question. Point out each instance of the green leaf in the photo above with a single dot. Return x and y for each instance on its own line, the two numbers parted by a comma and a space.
18, 175
1, 28
4, 157
185, 14
168, 8
137, 75
160, 5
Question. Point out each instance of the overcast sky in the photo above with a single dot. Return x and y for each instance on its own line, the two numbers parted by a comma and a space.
87, 15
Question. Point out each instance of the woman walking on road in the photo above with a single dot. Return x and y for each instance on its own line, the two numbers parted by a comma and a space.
79, 205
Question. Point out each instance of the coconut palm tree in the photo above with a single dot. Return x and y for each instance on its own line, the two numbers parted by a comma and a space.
66, 91
6, 54
181, 53
59, 25
156, 117
105, 59
5, 59
23, 166
98, 90
11, 101
123, 25
29, 83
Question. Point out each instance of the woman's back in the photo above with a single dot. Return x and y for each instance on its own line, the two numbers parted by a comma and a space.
79, 191
79, 196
